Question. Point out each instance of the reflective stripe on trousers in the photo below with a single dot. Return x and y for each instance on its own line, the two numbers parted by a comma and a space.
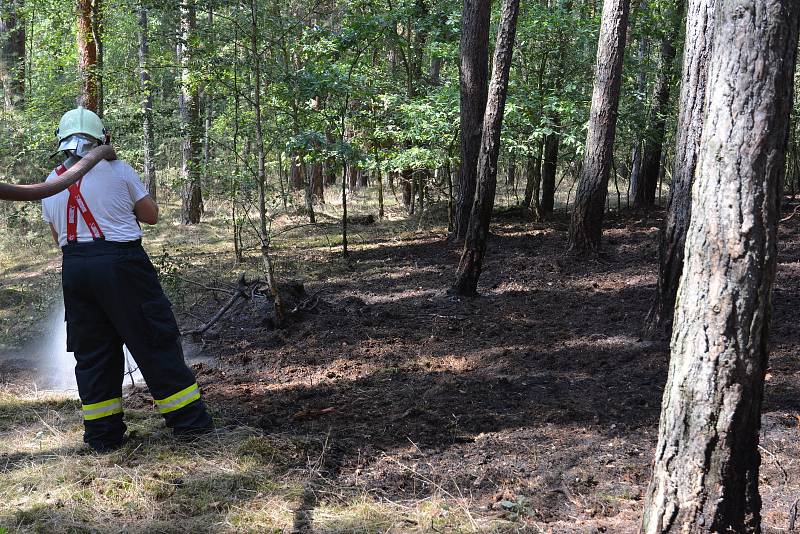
99, 410
179, 399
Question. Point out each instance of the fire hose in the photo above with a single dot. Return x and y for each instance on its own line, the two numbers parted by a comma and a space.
73, 174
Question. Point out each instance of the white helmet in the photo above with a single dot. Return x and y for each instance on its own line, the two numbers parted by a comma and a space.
79, 131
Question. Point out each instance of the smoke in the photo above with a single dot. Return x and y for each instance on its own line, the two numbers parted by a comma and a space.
56, 366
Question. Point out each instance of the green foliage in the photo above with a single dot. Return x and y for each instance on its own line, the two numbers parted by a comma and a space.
373, 83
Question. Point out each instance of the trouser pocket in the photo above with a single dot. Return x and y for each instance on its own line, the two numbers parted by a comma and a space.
161, 326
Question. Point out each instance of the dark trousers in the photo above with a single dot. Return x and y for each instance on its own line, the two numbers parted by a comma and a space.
112, 296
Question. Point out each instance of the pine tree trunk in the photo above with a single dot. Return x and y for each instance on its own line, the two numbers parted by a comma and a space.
87, 56
705, 476
308, 192
641, 88
474, 78
689, 130
318, 181
471, 264
189, 104
533, 179
549, 168
12, 53
147, 106
511, 172
586, 226
406, 178
297, 175
645, 196
352, 177
208, 103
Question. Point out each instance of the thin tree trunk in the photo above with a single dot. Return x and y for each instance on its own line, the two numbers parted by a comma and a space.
97, 36
407, 176
645, 196
318, 181
705, 476
469, 268
641, 88
208, 105
308, 192
281, 182
586, 226
261, 178
473, 75
87, 56
533, 179
380, 195
297, 174
689, 130
12, 53
235, 177
189, 105
345, 251
549, 168
147, 106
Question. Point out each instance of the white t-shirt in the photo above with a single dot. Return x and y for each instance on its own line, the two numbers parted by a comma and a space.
110, 189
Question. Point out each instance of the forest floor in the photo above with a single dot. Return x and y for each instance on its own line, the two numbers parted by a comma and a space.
396, 407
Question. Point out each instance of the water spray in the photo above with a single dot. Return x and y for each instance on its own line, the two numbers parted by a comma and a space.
56, 366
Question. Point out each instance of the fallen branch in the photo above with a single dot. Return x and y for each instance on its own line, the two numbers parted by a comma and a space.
307, 305
241, 293
794, 212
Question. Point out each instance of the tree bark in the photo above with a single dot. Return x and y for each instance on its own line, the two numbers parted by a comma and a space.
641, 89
189, 104
87, 56
549, 168
699, 31
12, 54
586, 226
318, 182
261, 177
471, 264
297, 174
352, 177
705, 476
473, 76
147, 105
645, 194
407, 176
533, 178
97, 37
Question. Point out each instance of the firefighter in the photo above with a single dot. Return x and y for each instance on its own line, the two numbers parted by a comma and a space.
112, 295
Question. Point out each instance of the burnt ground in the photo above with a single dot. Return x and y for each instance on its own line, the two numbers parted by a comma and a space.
538, 400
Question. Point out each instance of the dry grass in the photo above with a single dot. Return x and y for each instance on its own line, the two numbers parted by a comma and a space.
234, 481
237, 480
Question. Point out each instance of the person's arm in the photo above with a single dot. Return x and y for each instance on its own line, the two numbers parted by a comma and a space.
146, 210
54, 233
73, 174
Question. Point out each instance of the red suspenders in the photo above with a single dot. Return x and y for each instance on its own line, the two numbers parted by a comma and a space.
75, 204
